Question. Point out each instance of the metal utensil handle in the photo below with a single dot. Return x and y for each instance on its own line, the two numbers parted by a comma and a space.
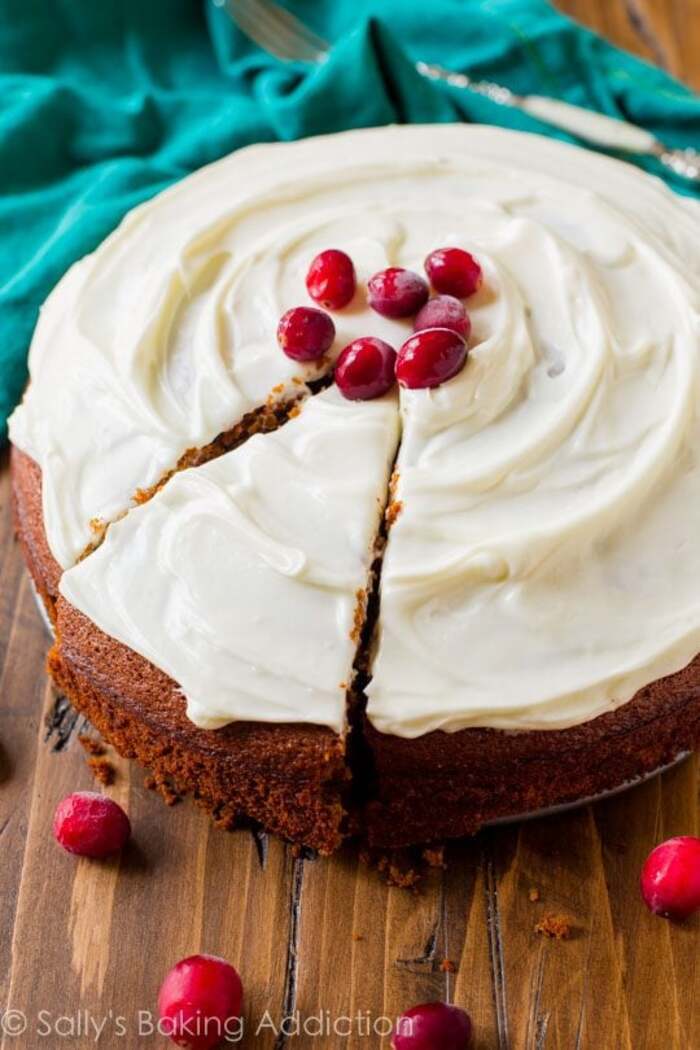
596, 128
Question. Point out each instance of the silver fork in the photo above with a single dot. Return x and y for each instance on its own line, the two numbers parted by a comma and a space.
281, 33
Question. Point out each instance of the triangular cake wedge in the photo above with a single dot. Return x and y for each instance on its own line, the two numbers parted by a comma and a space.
160, 347
235, 597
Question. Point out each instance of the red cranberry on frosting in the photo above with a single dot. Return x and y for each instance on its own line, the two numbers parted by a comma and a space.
444, 311
396, 292
366, 369
430, 357
199, 1003
305, 333
433, 1026
331, 279
670, 880
90, 825
454, 272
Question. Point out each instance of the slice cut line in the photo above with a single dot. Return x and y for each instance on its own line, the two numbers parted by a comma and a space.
245, 579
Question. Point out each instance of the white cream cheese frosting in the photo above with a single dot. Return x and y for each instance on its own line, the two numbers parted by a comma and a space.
166, 335
240, 578
545, 562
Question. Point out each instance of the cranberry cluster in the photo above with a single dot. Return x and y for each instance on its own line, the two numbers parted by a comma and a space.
368, 367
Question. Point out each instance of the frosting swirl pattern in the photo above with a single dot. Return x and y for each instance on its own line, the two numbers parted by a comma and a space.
243, 578
544, 565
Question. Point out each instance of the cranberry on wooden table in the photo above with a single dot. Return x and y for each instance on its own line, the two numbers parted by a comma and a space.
433, 1026
305, 333
199, 1003
444, 311
453, 271
366, 369
396, 292
331, 280
670, 879
430, 357
90, 825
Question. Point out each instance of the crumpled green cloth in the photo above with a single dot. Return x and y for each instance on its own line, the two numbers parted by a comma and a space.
104, 104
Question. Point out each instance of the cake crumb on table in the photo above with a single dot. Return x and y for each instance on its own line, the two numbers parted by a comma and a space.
534, 894
556, 927
405, 868
447, 966
92, 745
164, 788
396, 868
102, 770
434, 856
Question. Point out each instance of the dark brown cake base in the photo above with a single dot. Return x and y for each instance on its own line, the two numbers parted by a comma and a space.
294, 779
445, 785
29, 527
290, 778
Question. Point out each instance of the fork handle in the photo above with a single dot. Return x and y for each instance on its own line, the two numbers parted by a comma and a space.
596, 128
601, 130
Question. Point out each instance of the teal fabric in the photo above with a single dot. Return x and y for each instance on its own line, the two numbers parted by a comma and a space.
104, 104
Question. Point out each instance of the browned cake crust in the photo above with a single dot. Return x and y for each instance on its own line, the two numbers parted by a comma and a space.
445, 785
294, 778
29, 527
291, 778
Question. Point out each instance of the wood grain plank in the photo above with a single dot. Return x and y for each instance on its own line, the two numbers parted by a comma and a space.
659, 958
22, 685
181, 887
680, 815
685, 27
342, 942
612, 21
370, 950
475, 985
672, 28
496, 936
560, 993
665, 32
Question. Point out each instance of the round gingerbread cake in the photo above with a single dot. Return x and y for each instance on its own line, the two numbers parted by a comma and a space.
400, 610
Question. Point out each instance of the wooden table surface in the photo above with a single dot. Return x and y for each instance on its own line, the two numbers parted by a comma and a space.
85, 944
